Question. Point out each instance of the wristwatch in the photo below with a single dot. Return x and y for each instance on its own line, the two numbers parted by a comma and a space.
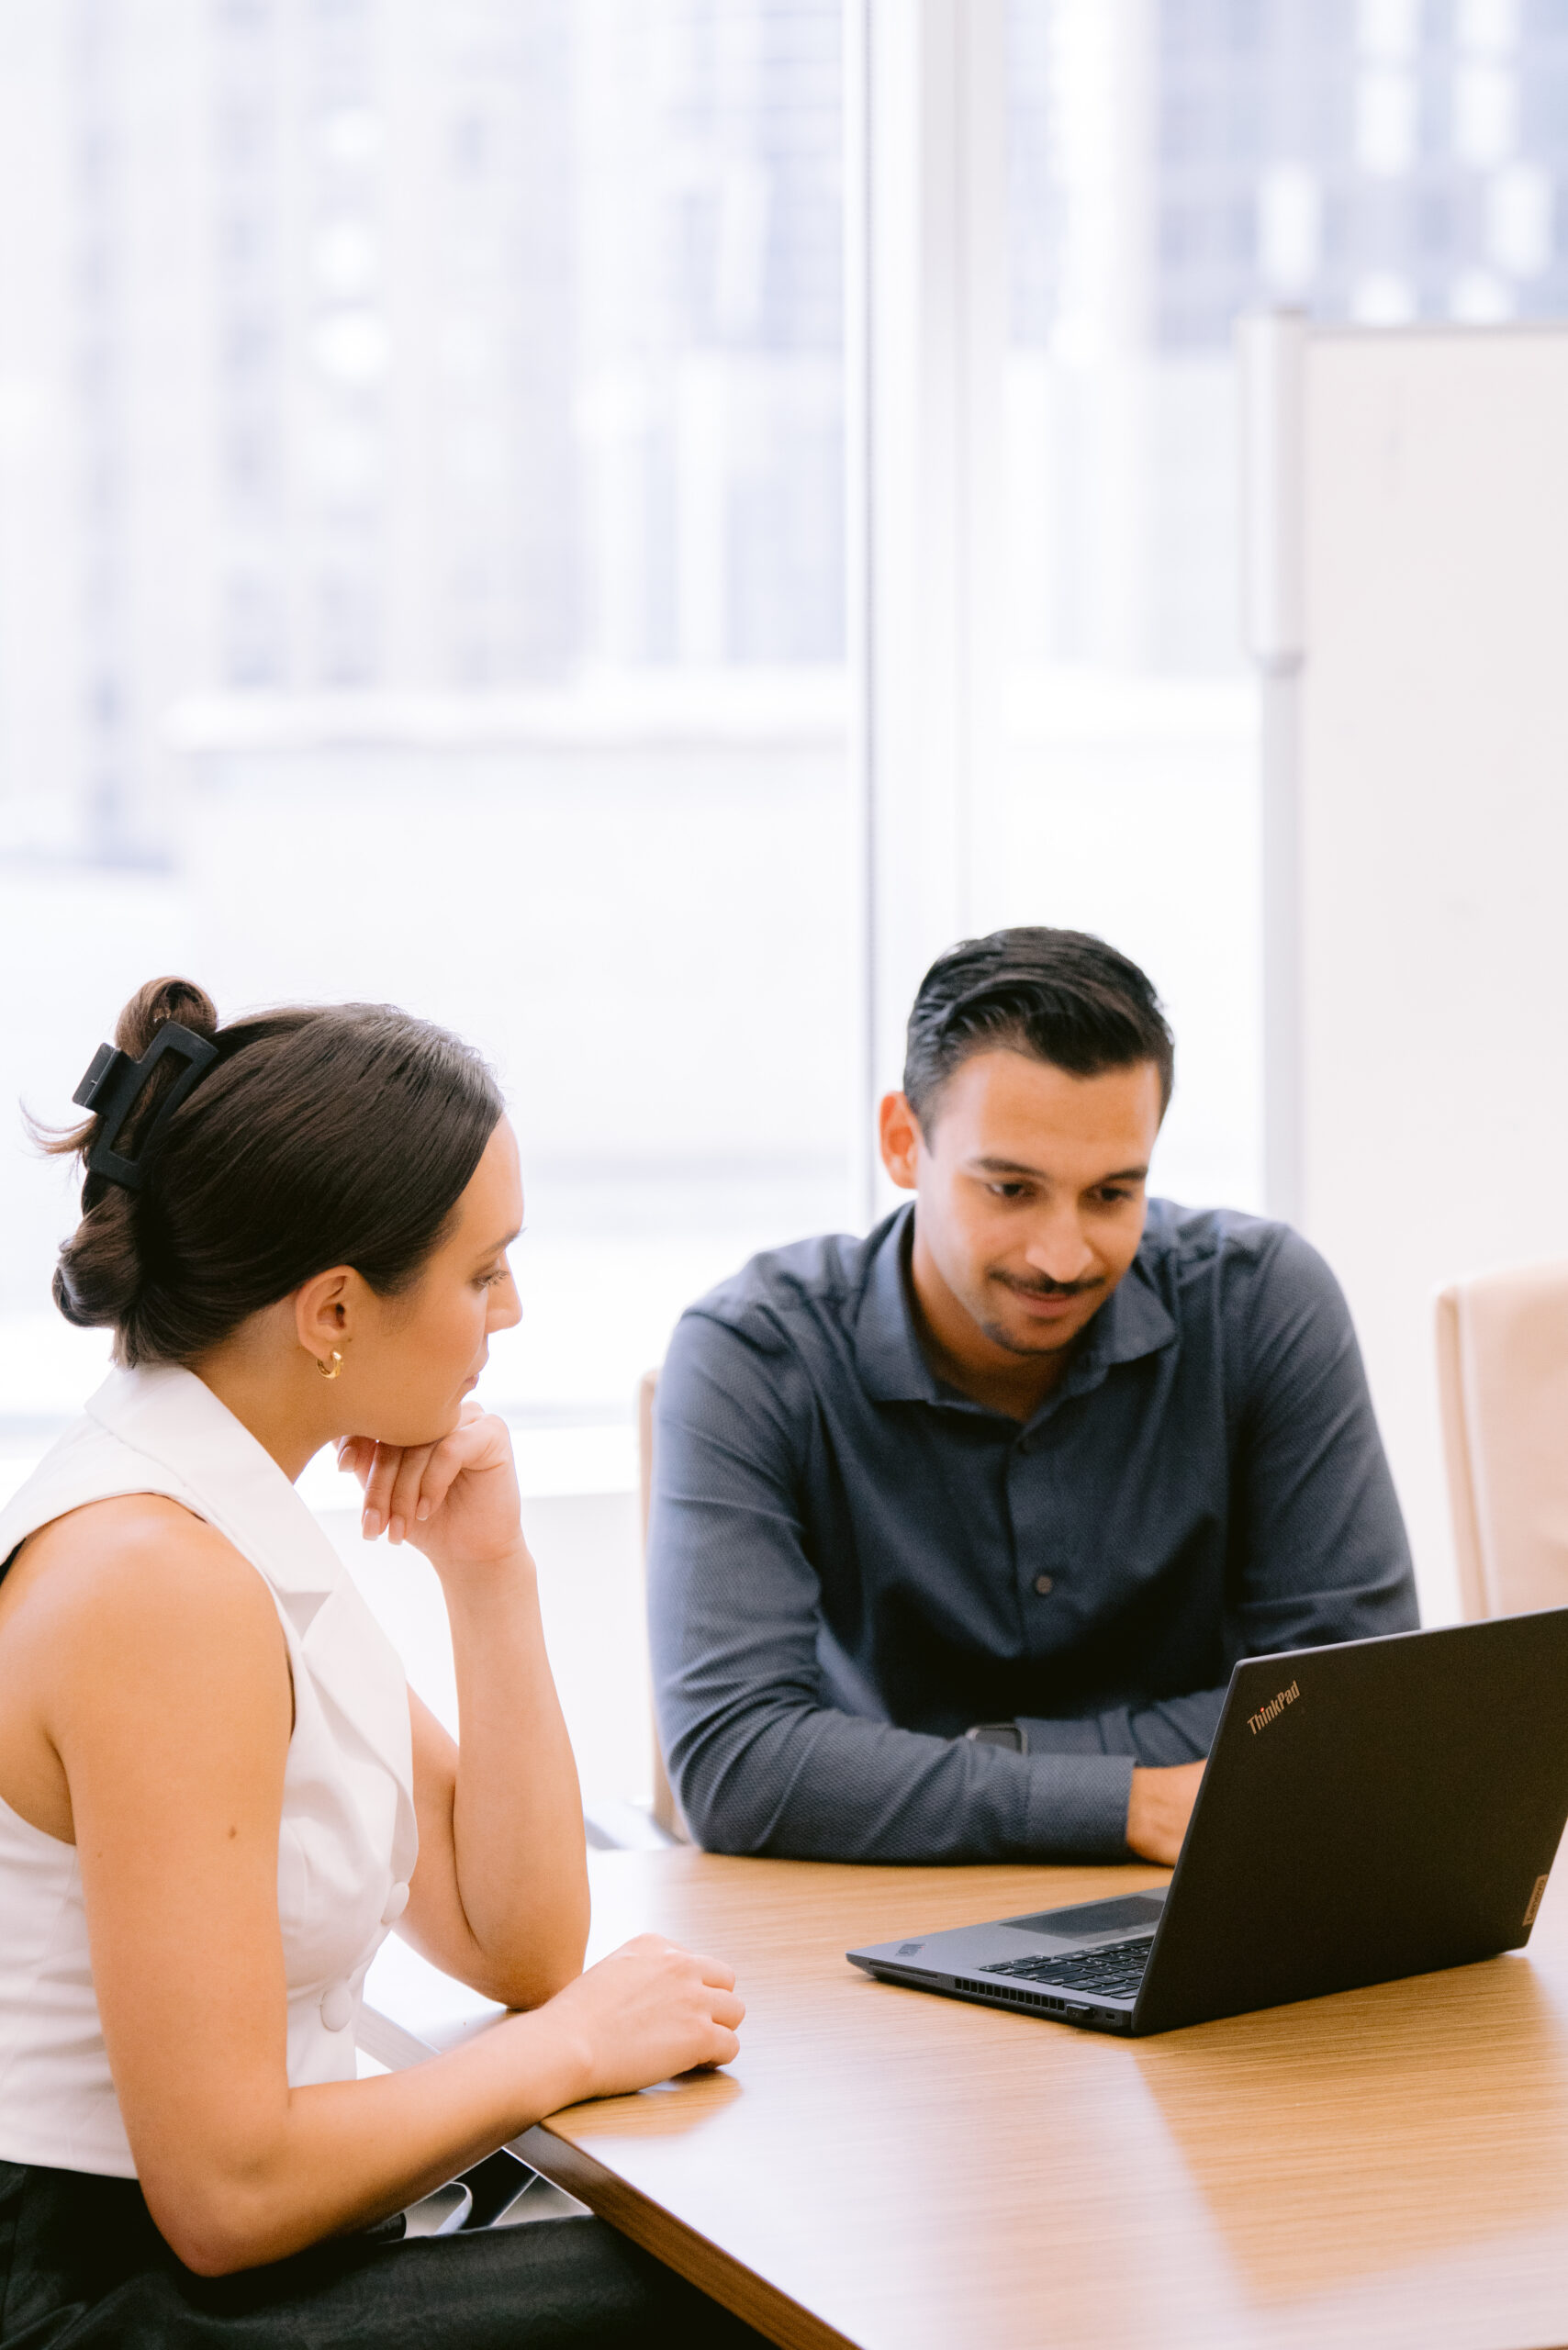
997, 1734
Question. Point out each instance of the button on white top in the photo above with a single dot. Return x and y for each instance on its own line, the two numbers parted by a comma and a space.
337, 2006
396, 1902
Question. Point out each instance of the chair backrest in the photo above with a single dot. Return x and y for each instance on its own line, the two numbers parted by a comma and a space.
1503, 1381
666, 1809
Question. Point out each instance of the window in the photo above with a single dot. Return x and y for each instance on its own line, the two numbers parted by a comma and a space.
1171, 166
427, 582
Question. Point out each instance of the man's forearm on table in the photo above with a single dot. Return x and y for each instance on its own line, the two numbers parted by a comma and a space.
809, 1783
1168, 1731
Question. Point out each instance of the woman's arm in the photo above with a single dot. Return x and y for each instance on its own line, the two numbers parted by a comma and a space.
154, 1659
541, 1943
500, 1896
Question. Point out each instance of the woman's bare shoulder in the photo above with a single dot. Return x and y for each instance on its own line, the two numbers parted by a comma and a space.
132, 1629
126, 1566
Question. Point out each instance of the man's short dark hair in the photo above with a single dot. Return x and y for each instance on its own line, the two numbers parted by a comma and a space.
1061, 995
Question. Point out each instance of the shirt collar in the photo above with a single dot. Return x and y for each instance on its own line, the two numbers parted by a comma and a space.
1132, 1323
887, 1351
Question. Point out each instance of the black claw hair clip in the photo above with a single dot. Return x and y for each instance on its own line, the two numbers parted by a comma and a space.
112, 1087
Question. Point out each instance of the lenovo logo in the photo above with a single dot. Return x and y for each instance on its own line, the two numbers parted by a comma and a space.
1274, 1710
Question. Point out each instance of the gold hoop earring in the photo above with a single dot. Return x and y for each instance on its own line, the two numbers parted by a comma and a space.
337, 1365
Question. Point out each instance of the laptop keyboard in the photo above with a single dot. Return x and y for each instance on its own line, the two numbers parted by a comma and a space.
1115, 1969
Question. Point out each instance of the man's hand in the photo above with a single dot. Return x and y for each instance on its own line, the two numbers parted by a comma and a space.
1159, 1810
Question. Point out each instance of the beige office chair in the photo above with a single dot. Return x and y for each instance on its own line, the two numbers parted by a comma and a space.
666, 1809
1503, 1379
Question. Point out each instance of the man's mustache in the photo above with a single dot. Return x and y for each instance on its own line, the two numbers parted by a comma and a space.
1049, 1288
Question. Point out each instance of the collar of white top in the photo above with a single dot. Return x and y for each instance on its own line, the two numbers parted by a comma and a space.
174, 1418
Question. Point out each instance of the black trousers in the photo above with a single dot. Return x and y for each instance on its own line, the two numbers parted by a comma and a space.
82, 2268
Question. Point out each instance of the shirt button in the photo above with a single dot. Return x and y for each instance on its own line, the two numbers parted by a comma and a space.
1044, 1586
337, 2006
396, 1902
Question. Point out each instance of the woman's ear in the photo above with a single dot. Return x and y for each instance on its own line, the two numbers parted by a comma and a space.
323, 1312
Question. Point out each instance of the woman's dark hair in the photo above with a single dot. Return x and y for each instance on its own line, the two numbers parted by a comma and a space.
341, 1134
1061, 995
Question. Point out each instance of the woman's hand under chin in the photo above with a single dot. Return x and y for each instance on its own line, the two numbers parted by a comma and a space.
457, 1501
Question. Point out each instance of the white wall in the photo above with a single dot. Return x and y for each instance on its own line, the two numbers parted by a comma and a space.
1432, 843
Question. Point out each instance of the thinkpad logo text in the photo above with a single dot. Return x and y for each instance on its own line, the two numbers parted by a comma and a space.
1274, 1710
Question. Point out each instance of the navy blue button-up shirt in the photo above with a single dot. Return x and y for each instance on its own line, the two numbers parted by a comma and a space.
849, 1562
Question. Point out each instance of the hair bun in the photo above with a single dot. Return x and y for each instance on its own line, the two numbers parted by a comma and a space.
101, 1271
154, 1005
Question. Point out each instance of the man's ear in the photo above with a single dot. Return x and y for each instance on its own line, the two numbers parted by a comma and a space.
323, 1310
899, 1130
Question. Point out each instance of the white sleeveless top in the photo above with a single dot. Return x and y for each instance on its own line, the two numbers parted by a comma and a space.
347, 1842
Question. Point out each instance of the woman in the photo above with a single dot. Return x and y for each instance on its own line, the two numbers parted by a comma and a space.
217, 1791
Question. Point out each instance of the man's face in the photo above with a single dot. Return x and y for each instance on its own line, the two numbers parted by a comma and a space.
1030, 1192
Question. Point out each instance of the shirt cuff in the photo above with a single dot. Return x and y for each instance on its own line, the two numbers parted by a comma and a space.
1078, 1805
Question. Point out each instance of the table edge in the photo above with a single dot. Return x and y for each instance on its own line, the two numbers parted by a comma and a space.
703, 2263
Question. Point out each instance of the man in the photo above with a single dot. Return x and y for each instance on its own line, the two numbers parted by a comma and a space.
958, 1529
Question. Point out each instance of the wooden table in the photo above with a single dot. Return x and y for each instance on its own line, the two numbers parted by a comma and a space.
901, 2172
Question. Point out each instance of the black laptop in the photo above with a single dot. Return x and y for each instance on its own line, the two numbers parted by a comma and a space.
1380, 1809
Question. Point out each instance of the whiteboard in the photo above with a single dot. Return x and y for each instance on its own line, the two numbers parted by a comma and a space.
1409, 547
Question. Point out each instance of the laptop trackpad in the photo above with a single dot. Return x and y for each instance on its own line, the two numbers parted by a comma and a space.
1094, 1918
